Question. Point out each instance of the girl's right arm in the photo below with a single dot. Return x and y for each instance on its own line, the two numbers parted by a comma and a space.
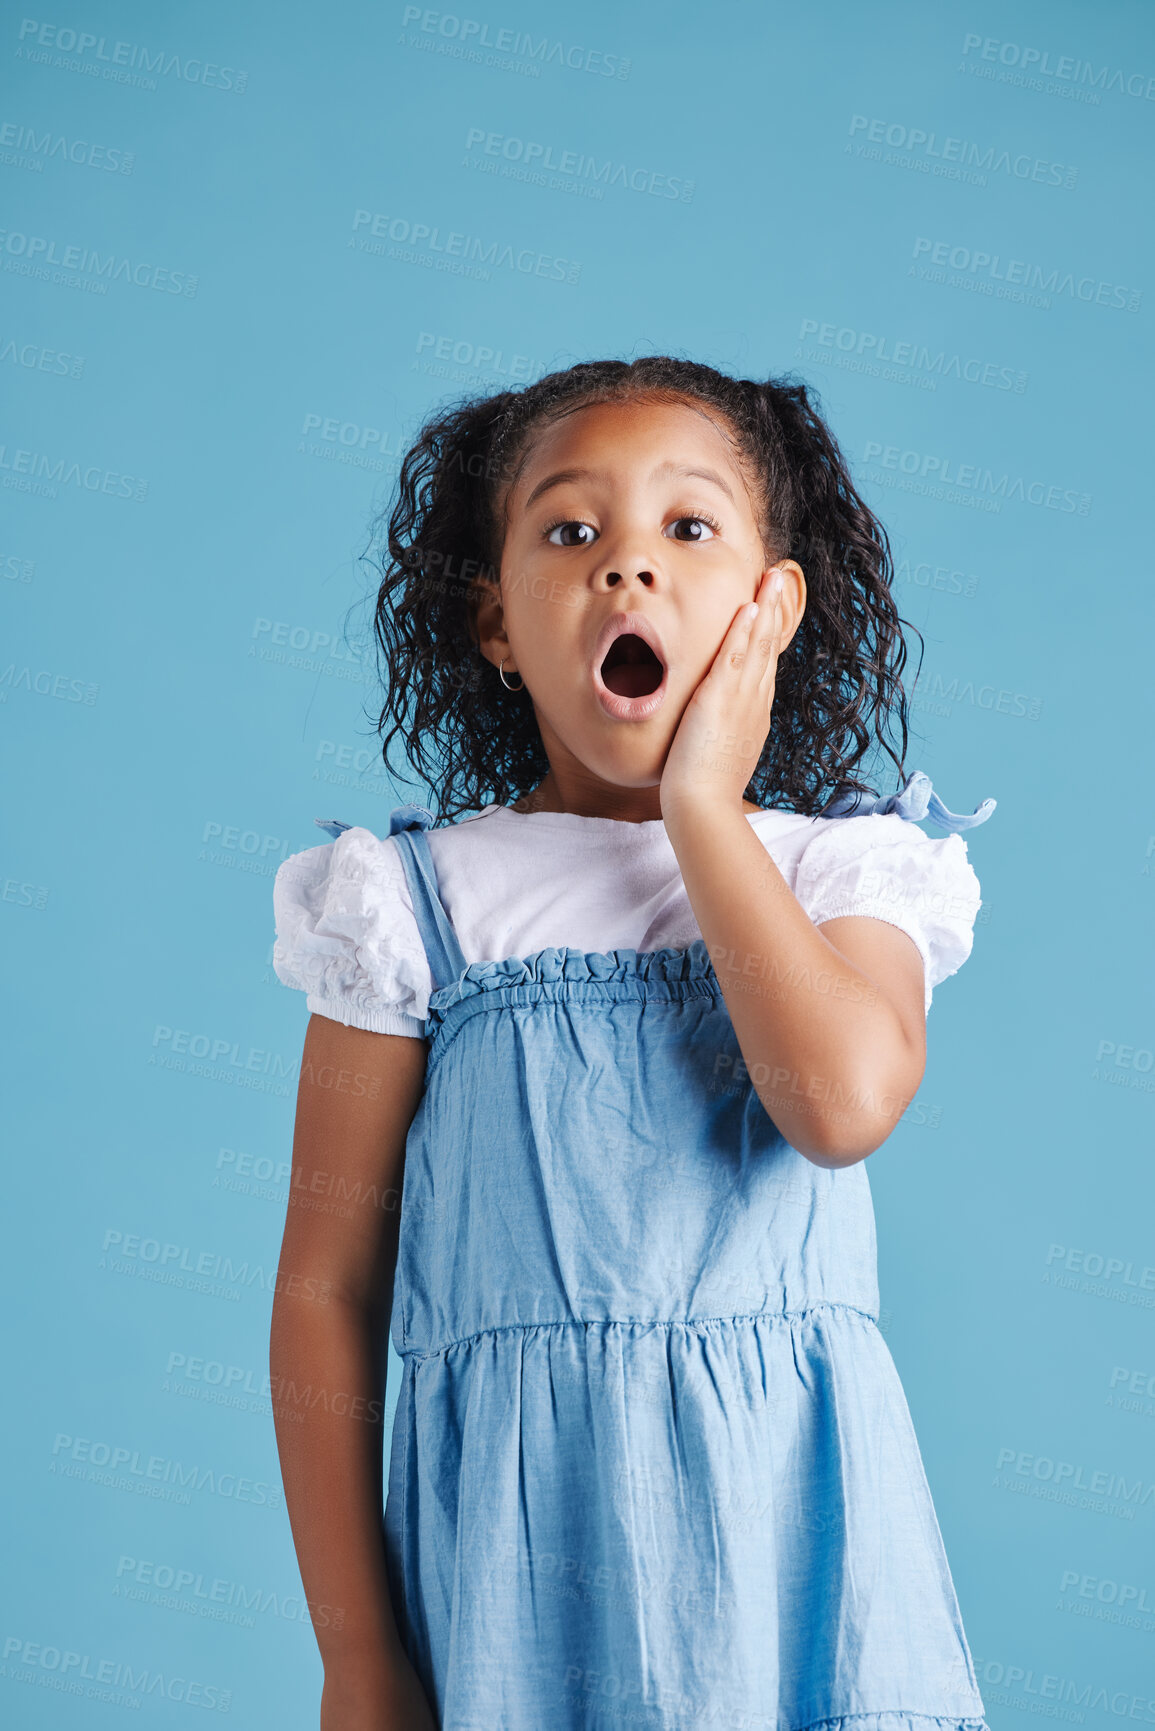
356, 1099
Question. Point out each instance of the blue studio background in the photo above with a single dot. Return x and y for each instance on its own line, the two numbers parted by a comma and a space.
245, 249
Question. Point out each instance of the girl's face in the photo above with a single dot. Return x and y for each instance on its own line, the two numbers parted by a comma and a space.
623, 514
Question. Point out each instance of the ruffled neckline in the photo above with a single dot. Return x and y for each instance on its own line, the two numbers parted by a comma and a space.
572, 819
557, 963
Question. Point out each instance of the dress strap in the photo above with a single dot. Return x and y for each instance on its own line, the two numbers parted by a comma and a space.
407, 826
914, 801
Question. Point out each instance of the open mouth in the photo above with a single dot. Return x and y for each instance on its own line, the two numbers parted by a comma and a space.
631, 669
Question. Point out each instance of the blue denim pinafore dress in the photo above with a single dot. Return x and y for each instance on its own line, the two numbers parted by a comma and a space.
651, 1464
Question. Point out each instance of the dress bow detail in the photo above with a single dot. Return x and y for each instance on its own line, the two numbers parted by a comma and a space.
915, 801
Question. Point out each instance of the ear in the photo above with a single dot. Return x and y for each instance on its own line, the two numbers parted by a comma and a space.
793, 596
486, 617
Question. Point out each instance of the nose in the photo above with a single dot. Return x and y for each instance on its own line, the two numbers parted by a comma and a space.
614, 578
627, 557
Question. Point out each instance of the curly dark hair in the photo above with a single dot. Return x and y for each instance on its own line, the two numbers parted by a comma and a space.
475, 742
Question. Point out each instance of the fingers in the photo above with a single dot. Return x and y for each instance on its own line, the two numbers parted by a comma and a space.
733, 650
751, 646
766, 626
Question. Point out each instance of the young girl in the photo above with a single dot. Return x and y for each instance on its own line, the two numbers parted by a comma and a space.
588, 1086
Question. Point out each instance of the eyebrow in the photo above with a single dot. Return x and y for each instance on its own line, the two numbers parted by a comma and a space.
663, 469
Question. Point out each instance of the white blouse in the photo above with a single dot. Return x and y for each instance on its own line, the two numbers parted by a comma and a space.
513, 883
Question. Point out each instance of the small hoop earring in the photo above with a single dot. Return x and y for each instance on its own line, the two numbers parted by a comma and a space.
504, 680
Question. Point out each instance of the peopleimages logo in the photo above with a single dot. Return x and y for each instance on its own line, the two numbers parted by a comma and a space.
36, 148
212, 1596
118, 61
1018, 278
1078, 1261
38, 255
36, 358
911, 355
1069, 1476
1107, 1592
974, 478
348, 442
37, 472
118, 1682
152, 1471
468, 356
465, 252
534, 156
1064, 66
1049, 1686
472, 34
934, 148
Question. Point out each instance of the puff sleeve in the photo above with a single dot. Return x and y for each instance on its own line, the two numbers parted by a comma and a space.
347, 937
884, 867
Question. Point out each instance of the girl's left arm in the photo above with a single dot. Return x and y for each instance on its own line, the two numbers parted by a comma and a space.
830, 1019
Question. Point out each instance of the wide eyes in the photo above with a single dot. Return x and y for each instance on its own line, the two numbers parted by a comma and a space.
702, 529
563, 529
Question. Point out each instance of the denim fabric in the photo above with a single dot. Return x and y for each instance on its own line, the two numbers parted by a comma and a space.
651, 1465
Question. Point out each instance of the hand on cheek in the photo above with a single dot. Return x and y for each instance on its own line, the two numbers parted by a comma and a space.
721, 735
